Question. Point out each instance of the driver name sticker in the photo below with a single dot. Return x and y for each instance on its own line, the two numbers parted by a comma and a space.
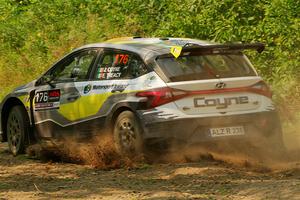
109, 72
45, 100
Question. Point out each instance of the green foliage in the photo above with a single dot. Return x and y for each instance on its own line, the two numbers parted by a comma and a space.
33, 34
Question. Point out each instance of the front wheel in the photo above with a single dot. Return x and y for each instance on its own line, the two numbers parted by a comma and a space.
128, 134
17, 130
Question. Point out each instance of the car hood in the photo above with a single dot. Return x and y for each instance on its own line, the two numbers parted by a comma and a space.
28, 85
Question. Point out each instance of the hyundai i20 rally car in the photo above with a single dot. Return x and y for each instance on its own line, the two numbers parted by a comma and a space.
143, 90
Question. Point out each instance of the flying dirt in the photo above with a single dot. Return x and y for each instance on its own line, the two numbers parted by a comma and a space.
100, 172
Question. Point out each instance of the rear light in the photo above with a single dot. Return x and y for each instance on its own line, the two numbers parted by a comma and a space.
261, 88
162, 96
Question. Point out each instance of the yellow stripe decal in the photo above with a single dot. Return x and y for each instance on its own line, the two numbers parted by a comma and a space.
83, 107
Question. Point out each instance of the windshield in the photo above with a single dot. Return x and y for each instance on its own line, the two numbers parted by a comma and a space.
211, 66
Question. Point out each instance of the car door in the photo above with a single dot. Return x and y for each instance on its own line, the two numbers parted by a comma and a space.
58, 98
114, 78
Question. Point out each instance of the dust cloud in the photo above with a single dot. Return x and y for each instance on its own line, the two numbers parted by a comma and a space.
101, 153
258, 155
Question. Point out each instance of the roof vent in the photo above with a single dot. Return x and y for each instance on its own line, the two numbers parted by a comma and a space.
164, 38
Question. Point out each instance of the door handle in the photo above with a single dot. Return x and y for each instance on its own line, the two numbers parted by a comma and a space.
73, 97
117, 90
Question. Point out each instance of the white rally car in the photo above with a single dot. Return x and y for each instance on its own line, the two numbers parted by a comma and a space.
144, 90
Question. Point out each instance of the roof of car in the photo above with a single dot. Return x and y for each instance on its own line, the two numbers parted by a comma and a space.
147, 48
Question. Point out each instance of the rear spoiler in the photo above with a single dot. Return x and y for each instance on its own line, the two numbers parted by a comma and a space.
216, 48
259, 47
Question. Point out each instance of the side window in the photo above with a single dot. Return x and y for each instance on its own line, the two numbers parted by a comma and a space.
119, 65
137, 67
74, 68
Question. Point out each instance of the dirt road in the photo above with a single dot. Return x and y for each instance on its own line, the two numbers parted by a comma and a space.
25, 178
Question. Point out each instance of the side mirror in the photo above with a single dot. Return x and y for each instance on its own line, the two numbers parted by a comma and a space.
45, 79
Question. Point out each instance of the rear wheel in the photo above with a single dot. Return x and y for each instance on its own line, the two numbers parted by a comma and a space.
17, 130
128, 134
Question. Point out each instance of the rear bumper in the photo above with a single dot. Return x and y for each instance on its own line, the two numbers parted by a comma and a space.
195, 130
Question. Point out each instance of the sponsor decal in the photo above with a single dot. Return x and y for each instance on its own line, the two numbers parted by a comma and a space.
148, 81
47, 100
176, 51
220, 103
44, 105
113, 87
152, 78
87, 88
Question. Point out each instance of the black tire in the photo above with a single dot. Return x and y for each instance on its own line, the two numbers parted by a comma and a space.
17, 130
127, 134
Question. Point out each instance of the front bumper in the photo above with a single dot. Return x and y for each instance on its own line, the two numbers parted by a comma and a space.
195, 130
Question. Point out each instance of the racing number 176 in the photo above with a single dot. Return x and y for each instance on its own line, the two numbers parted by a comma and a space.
41, 97
121, 59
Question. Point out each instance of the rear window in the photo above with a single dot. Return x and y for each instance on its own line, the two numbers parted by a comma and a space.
198, 67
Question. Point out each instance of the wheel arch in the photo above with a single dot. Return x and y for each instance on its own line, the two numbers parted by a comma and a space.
7, 106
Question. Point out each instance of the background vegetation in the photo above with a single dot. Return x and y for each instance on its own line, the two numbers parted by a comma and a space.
33, 34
